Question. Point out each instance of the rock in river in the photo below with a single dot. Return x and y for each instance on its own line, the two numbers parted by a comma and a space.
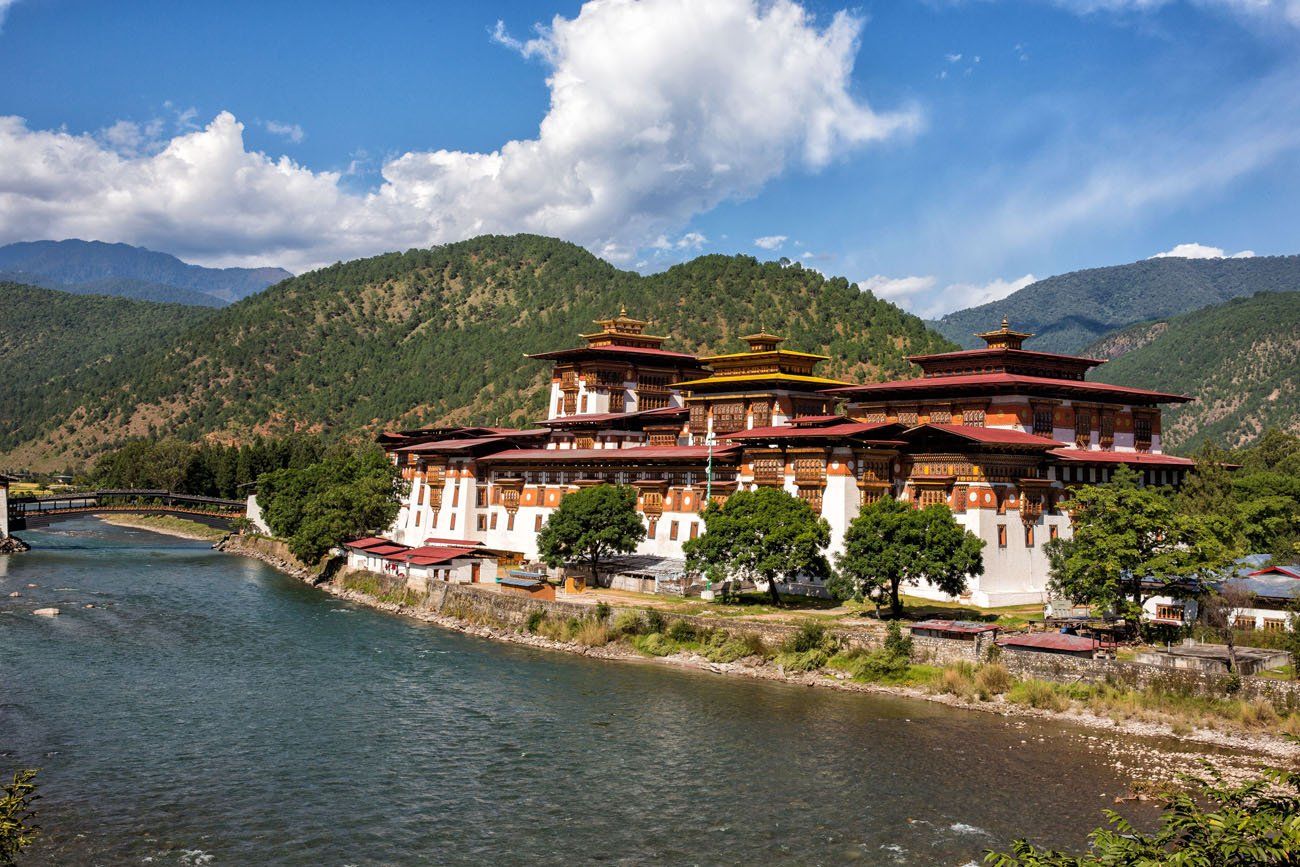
46, 612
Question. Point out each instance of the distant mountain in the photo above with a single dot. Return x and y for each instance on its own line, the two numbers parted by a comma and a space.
438, 335
1240, 360
56, 347
1073, 310
93, 267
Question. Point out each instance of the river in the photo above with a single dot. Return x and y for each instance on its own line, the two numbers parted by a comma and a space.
209, 710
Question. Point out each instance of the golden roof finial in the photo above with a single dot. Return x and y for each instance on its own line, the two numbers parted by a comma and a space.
1006, 326
622, 311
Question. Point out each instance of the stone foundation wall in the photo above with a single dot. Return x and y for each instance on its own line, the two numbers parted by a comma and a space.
928, 648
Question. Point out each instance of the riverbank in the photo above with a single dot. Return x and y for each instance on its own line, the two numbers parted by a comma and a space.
167, 525
1236, 751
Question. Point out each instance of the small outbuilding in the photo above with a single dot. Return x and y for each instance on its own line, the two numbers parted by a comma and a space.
1059, 643
957, 630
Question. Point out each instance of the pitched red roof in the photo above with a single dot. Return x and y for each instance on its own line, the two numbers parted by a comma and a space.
367, 543
637, 453
600, 417
1088, 456
986, 435
785, 431
994, 381
1052, 641
430, 555
618, 350
386, 550
1027, 355
1288, 571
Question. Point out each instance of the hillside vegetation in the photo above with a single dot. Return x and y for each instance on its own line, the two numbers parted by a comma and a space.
438, 336
1240, 360
1072, 310
93, 267
55, 348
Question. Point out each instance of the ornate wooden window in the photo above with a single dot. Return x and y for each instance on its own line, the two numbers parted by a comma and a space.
1043, 420
609, 379
699, 418
651, 400
769, 470
663, 438
810, 470
419, 498
480, 496
570, 403
652, 503
1142, 432
1029, 535
874, 415
761, 411
1170, 612
808, 407
907, 416
813, 497
728, 417
941, 415
1002, 535
871, 493
1274, 624
931, 496
1053, 531
617, 400
972, 416
585, 441
1106, 429
1082, 427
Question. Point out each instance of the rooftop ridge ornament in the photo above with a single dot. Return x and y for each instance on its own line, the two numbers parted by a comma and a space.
1004, 337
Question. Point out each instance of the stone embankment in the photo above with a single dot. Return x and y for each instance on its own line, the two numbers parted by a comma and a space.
13, 545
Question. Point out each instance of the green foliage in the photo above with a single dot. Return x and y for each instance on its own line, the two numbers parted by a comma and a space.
349, 493
628, 623
206, 469
811, 635
766, 535
590, 526
411, 338
1240, 360
897, 643
535, 618
1123, 534
654, 620
1209, 822
890, 543
18, 828
1070, 311
601, 611
655, 644
681, 631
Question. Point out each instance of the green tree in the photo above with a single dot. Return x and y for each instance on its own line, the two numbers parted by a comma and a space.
18, 828
766, 535
591, 525
1130, 543
350, 493
890, 543
1208, 823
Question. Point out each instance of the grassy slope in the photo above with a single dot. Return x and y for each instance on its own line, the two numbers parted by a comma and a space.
1241, 360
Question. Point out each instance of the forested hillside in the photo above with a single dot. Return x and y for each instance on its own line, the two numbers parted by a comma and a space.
1072, 310
439, 335
93, 267
1240, 360
50, 340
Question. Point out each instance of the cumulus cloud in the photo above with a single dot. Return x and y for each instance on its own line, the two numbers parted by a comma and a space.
292, 131
659, 110
1201, 251
4, 9
924, 297
771, 242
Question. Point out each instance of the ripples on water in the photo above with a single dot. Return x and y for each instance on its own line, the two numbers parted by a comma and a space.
208, 710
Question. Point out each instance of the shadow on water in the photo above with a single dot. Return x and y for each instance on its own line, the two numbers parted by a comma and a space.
209, 710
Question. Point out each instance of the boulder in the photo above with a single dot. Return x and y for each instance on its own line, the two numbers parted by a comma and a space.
15, 595
46, 612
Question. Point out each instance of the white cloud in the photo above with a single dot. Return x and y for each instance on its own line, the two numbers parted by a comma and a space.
292, 131
1201, 251
4, 9
659, 110
771, 242
924, 297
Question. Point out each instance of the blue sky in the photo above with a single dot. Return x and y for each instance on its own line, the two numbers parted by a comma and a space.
937, 152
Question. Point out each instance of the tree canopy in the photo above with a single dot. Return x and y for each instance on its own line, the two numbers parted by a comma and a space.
890, 543
766, 535
590, 526
351, 492
1130, 543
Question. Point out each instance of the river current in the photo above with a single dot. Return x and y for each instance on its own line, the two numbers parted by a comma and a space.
209, 710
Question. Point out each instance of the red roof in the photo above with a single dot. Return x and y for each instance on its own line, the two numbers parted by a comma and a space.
368, 542
1289, 571
1016, 354
815, 419
1052, 641
943, 383
1088, 456
988, 435
430, 555
386, 550
453, 543
637, 453
459, 445
617, 350
962, 626
785, 431
596, 417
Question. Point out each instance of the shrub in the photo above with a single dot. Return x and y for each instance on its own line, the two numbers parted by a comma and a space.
808, 660
628, 623
602, 611
1039, 694
811, 635
881, 666
957, 680
654, 621
896, 643
755, 644
655, 644
535, 618
992, 679
1258, 713
681, 630
592, 633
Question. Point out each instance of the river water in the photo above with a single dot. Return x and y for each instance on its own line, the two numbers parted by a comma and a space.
208, 710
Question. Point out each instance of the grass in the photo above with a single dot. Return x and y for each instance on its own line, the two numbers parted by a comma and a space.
169, 524
394, 593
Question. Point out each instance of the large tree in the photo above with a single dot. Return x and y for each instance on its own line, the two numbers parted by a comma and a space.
1130, 543
350, 493
590, 526
765, 535
891, 542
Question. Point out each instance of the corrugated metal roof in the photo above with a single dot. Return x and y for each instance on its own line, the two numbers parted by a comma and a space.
1051, 641
941, 383
368, 542
988, 435
965, 626
636, 453
1088, 456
